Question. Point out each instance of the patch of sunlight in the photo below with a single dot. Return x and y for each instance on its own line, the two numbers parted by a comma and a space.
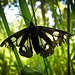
60, 52
7, 54
65, 69
73, 39
72, 55
0, 68
62, 6
0, 48
38, 3
1, 61
62, 62
23, 58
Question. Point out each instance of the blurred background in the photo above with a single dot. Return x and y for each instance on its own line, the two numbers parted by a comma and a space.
50, 13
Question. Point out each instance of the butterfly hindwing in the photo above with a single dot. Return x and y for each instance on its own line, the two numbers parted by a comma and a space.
46, 45
26, 47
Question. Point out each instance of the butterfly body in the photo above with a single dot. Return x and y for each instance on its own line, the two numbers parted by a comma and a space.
34, 37
41, 39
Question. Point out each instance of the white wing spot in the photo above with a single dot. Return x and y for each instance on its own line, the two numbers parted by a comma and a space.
55, 33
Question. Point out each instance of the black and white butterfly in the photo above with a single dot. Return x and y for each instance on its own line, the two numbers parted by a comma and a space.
38, 38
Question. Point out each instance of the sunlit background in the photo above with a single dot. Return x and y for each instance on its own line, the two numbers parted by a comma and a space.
52, 13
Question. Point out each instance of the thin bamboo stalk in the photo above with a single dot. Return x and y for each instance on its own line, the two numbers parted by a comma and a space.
68, 29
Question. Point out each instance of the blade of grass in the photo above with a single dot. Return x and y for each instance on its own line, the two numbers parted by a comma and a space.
48, 67
42, 63
25, 11
9, 33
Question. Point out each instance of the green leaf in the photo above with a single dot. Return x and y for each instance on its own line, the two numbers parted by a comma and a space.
28, 71
25, 11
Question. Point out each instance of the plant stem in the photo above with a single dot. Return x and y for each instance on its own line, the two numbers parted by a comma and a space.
68, 29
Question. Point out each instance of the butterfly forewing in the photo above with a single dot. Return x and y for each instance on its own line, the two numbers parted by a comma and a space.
14, 37
58, 36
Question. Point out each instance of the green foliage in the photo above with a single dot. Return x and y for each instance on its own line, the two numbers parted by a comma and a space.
56, 64
26, 12
27, 71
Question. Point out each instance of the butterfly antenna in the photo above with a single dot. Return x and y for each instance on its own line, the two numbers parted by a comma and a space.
24, 17
33, 12
37, 8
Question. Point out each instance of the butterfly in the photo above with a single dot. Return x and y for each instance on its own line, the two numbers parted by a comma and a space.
40, 39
